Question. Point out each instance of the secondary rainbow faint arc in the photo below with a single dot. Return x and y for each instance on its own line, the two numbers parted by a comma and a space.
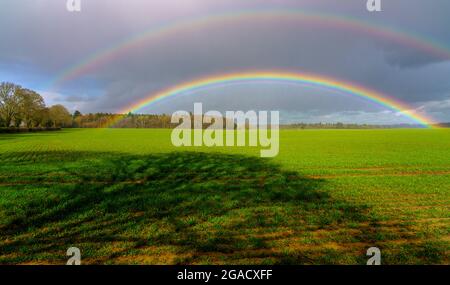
331, 20
276, 76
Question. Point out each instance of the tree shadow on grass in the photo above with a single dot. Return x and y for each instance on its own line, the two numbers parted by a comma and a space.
182, 207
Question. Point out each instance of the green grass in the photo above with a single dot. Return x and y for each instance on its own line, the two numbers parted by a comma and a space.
128, 196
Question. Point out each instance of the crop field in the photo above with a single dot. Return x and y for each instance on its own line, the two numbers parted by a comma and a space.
127, 196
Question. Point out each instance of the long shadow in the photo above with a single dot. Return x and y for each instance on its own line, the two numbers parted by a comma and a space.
202, 207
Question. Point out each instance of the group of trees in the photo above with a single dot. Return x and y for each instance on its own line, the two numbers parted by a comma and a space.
99, 120
21, 107
24, 108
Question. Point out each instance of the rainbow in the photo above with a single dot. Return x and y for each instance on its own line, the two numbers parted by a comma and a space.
319, 19
278, 77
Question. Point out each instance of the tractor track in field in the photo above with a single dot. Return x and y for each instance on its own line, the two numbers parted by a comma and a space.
400, 174
68, 182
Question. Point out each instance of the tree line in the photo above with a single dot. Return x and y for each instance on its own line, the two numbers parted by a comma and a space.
24, 108
101, 120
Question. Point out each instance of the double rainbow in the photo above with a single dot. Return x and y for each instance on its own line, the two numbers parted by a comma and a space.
174, 28
278, 77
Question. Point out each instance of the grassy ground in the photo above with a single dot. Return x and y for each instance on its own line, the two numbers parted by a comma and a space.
128, 196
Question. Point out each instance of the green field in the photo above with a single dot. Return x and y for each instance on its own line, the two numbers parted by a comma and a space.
127, 196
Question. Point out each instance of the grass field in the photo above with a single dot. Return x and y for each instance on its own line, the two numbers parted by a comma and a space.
127, 196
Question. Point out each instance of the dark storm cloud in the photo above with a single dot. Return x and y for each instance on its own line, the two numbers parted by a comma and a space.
46, 39
406, 59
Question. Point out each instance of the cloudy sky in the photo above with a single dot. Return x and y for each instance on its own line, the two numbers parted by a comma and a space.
40, 40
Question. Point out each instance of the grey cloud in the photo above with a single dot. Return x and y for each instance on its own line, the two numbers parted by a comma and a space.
346, 117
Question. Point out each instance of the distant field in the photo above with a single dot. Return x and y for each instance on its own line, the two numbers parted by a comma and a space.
127, 196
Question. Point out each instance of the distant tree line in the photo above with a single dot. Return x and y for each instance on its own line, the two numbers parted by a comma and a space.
25, 108
101, 120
